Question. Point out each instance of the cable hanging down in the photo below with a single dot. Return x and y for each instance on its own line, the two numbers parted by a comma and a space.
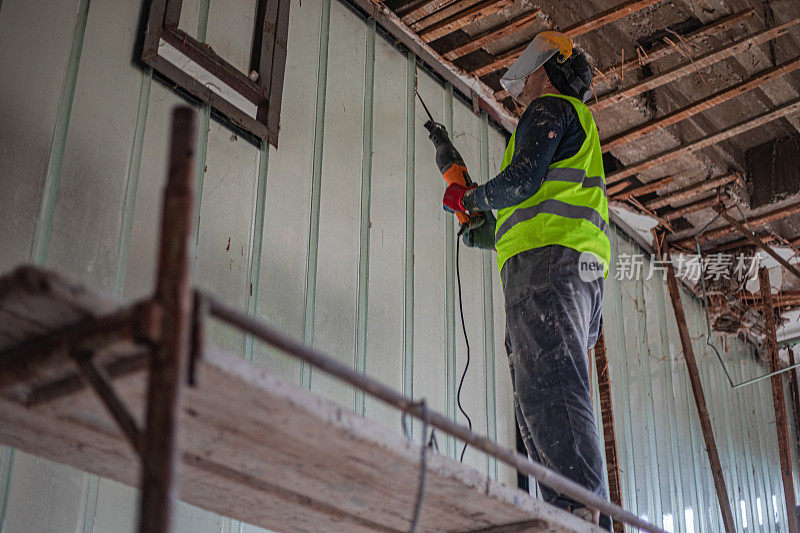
466, 340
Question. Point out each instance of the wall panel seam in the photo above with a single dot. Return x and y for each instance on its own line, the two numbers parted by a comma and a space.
50, 188
90, 505
362, 297
689, 400
132, 185
644, 357
202, 135
624, 378
6, 466
669, 393
408, 275
203, 124
316, 190
259, 215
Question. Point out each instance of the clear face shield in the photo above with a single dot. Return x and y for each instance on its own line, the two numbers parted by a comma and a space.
544, 46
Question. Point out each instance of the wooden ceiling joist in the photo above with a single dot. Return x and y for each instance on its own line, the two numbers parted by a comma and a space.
693, 65
608, 16
463, 18
781, 299
502, 60
613, 190
461, 81
740, 243
692, 38
692, 191
709, 140
752, 237
615, 13
754, 222
702, 105
641, 190
447, 11
415, 11
698, 205
492, 35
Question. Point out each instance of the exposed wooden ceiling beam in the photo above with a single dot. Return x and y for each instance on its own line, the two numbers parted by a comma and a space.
421, 9
606, 17
700, 106
452, 8
739, 243
692, 190
781, 299
663, 50
709, 140
755, 222
698, 205
752, 237
463, 18
502, 60
693, 65
619, 187
492, 35
461, 81
641, 190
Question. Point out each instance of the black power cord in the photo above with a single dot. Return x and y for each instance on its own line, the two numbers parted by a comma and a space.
466, 340
422, 467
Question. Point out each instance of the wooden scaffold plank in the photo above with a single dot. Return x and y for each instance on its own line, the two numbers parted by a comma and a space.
291, 460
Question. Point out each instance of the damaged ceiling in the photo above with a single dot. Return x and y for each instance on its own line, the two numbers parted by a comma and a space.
696, 102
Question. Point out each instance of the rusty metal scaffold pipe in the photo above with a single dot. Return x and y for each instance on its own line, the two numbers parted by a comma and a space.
540, 473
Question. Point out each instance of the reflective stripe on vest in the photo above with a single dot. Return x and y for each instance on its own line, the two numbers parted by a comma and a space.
569, 209
553, 207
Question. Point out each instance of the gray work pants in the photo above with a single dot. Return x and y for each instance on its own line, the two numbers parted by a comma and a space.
553, 317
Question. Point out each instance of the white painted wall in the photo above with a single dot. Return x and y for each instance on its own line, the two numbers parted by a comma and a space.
338, 237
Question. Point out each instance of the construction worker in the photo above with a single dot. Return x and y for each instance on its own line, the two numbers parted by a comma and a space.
553, 251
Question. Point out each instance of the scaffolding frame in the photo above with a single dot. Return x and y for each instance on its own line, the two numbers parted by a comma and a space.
171, 328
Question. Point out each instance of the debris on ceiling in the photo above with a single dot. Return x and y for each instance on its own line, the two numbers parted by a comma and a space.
697, 104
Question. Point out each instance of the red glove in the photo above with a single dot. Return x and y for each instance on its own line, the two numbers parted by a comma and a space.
454, 196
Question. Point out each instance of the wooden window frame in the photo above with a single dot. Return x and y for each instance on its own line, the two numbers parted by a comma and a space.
267, 62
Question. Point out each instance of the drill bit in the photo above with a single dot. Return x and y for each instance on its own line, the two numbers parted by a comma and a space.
424, 106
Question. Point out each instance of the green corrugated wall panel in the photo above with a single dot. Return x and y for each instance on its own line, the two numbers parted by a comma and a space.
338, 237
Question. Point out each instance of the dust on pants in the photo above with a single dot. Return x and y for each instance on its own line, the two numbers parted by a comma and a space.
553, 318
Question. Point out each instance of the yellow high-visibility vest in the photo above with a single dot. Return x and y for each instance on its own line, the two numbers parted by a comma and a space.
570, 208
